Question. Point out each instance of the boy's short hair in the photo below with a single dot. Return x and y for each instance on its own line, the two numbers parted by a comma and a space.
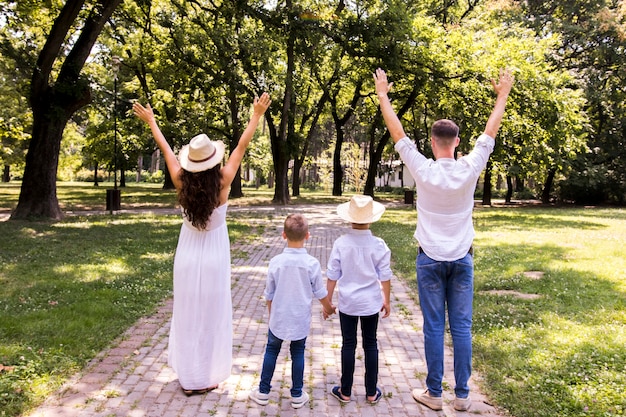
444, 131
296, 227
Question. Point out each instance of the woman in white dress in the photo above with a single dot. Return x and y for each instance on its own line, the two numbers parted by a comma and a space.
200, 342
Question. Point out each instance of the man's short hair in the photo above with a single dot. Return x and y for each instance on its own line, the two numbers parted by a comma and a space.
444, 131
296, 227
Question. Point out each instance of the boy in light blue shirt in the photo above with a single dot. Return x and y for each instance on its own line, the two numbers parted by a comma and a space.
360, 264
294, 277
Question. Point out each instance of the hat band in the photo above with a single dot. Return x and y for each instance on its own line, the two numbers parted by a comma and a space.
197, 161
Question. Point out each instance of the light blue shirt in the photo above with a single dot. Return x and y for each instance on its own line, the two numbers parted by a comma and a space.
358, 262
445, 197
294, 277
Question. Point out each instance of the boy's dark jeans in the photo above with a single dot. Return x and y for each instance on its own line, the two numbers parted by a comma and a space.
369, 326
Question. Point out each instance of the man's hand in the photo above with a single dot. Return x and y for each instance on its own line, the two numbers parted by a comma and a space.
382, 85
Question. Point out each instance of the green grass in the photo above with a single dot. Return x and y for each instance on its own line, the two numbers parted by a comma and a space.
70, 287
564, 352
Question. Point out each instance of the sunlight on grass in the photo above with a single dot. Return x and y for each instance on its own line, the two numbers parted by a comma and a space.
94, 272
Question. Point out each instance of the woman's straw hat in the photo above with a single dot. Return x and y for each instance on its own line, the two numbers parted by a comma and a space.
361, 209
201, 154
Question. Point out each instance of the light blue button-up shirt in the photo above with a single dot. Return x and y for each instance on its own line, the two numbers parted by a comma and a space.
294, 277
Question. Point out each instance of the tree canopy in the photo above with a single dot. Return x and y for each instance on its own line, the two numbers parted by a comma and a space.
201, 63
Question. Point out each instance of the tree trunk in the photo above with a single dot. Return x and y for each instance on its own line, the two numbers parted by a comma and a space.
6, 174
236, 190
372, 169
139, 168
286, 131
545, 195
38, 195
509, 189
122, 167
295, 177
54, 102
281, 167
95, 175
337, 168
299, 161
487, 186
168, 184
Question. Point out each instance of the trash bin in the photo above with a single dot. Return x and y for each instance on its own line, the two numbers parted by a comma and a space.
409, 197
113, 200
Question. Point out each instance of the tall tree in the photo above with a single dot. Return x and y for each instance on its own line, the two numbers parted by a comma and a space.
56, 93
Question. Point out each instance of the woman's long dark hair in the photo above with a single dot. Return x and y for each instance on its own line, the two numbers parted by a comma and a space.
200, 194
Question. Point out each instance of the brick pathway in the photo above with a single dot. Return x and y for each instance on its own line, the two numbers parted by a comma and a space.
132, 378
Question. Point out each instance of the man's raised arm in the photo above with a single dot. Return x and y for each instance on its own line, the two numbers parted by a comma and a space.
502, 89
391, 119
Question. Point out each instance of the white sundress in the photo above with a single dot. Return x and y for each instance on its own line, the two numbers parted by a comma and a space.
201, 337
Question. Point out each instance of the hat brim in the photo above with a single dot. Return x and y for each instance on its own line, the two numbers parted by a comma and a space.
343, 211
187, 165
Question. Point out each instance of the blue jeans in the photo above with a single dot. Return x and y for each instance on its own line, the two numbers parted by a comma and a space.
272, 350
451, 283
369, 326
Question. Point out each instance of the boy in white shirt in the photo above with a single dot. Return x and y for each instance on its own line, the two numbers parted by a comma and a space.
360, 264
293, 278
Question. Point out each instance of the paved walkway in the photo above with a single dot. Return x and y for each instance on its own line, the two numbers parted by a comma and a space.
132, 379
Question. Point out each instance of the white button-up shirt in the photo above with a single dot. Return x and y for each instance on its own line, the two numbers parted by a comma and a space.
358, 262
445, 197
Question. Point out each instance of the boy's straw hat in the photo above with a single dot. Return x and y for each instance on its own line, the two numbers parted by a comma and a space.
361, 209
201, 154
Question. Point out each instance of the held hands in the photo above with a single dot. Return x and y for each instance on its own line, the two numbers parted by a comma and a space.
381, 83
144, 113
261, 104
326, 314
503, 87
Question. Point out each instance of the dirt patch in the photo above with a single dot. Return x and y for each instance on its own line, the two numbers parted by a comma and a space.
512, 293
534, 274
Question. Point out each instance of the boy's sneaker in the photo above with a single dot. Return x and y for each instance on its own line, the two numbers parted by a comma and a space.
462, 404
424, 397
258, 397
297, 402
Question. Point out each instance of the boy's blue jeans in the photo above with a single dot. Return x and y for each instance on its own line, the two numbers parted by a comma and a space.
369, 326
451, 283
272, 350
